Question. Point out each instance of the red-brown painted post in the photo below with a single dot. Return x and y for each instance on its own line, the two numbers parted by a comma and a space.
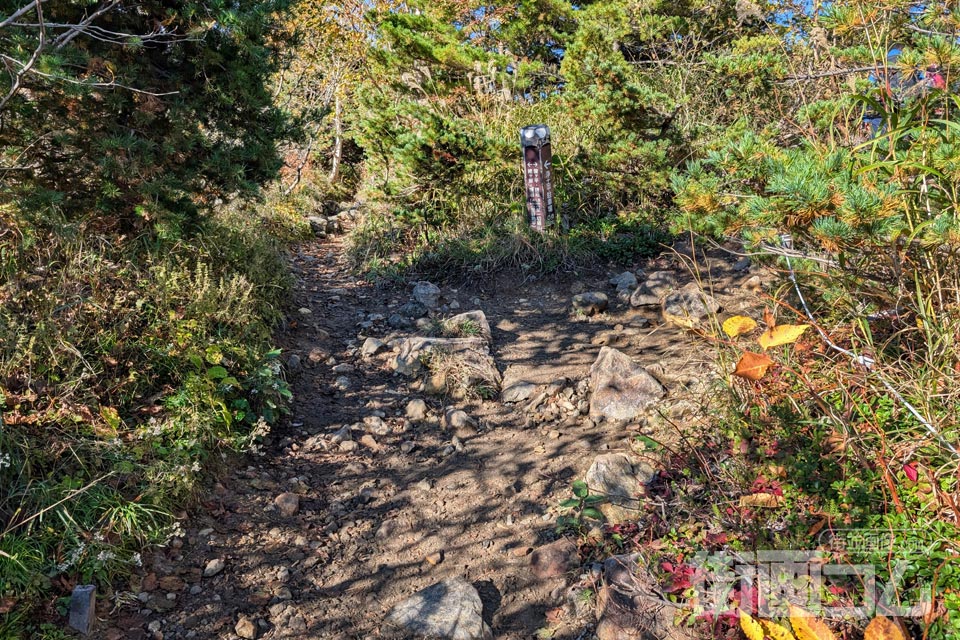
538, 176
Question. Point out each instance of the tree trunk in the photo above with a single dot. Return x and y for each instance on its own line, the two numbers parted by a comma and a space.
337, 141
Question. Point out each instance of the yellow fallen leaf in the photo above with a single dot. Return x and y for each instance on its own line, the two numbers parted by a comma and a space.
782, 334
738, 325
751, 628
883, 628
776, 632
753, 366
765, 500
808, 627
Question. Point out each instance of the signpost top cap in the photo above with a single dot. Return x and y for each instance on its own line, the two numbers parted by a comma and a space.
535, 134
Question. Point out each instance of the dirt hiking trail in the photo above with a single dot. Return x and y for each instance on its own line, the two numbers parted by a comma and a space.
374, 488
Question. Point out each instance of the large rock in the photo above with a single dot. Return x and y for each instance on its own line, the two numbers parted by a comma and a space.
631, 607
410, 350
320, 226
621, 479
688, 306
590, 303
625, 283
625, 280
641, 298
660, 283
468, 324
448, 610
516, 387
371, 347
622, 390
427, 294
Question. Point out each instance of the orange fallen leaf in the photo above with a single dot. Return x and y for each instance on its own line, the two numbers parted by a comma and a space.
753, 366
784, 334
738, 325
817, 527
807, 627
883, 628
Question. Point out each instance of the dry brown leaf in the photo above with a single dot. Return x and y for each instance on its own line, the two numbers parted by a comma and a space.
775, 631
817, 527
738, 325
784, 334
883, 628
807, 627
751, 628
764, 500
768, 319
753, 366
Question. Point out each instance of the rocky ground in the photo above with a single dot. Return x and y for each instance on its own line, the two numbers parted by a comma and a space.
414, 489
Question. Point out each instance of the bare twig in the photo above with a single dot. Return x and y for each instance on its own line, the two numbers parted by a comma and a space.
65, 38
831, 73
18, 76
16, 14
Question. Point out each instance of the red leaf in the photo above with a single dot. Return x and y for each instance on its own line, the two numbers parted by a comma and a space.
911, 470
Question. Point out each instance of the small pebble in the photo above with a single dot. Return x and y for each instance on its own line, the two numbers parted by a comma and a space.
213, 567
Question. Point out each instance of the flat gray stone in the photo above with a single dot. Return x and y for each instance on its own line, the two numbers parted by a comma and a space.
318, 225
399, 321
591, 303
468, 324
448, 610
621, 479
688, 306
515, 387
409, 350
517, 391
625, 280
622, 389
618, 477
371, 347
213, 567
660, 283
640, 298
83, 608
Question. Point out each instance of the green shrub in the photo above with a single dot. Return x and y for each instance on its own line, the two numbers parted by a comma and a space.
126, 369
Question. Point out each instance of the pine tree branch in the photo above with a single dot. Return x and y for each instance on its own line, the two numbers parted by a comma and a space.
105, 85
